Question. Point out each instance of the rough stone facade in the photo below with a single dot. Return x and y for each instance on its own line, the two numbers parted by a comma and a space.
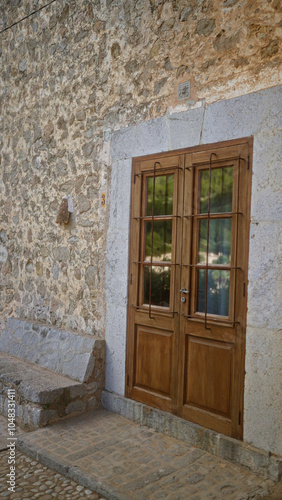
73, 75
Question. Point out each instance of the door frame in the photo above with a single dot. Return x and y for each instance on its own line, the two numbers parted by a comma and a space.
129, 343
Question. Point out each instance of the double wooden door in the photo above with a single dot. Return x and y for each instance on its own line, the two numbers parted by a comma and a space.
187, 283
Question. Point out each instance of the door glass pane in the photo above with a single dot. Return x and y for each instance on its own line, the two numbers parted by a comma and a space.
162, 240
160, 293
218, 291
219, 241
163, 195
221, 190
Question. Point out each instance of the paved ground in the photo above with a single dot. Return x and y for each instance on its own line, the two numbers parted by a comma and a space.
121, 460
34, 480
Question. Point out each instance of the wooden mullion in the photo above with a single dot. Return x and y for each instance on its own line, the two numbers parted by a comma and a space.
245, 152
177, 237
134, 278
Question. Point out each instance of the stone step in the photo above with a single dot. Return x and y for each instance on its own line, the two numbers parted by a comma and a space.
42, 396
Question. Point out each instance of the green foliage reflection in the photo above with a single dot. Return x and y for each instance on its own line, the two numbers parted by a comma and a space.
163, 195
221, 190
219, 241
162, 240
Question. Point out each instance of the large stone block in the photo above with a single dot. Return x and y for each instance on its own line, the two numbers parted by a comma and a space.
263, 384
185, 128
142, 139
265, 277
116, 275
120, 195
267, 176
243, 116
41, 396
65, 353
115, 351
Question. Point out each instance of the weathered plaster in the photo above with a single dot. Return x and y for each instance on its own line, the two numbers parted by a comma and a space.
258, 115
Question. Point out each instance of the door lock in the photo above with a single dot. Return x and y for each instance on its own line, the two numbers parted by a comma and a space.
183, 290
183, 299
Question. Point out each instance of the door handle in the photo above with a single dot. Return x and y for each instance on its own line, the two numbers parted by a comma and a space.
183, 290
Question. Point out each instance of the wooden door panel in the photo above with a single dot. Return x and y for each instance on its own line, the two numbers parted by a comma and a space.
153, 360
186, 350
208, 375
165, 320
210, 420
215, 332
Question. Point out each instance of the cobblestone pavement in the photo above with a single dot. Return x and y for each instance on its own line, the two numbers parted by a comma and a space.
34, 480
121, 460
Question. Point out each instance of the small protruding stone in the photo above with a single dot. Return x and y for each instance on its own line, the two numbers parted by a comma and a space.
83, 204
205, 27
22, 66
90, 276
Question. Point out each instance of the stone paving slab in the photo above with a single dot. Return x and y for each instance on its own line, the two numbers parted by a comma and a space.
122, 460
238, 452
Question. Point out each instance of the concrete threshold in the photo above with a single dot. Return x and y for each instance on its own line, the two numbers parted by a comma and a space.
238, 452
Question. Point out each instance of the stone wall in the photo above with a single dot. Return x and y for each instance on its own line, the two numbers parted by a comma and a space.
71, 74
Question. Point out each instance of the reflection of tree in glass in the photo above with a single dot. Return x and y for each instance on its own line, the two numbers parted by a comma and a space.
219, 241
221, 190
163, 195
160, 291
162, 240
217, 294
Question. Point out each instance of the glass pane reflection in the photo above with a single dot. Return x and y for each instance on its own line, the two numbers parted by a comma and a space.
162, 240
163, 195
221, 190
160, 293
219, 241
218, 292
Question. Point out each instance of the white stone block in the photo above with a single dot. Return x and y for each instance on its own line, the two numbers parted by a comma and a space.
142, 139
185, 128
265, 275
120, 195
243, 116
115, 349
267, 176
263, 402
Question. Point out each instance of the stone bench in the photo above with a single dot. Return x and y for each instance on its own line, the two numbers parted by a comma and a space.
55, 373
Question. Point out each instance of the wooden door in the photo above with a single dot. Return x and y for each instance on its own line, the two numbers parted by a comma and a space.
187, 283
